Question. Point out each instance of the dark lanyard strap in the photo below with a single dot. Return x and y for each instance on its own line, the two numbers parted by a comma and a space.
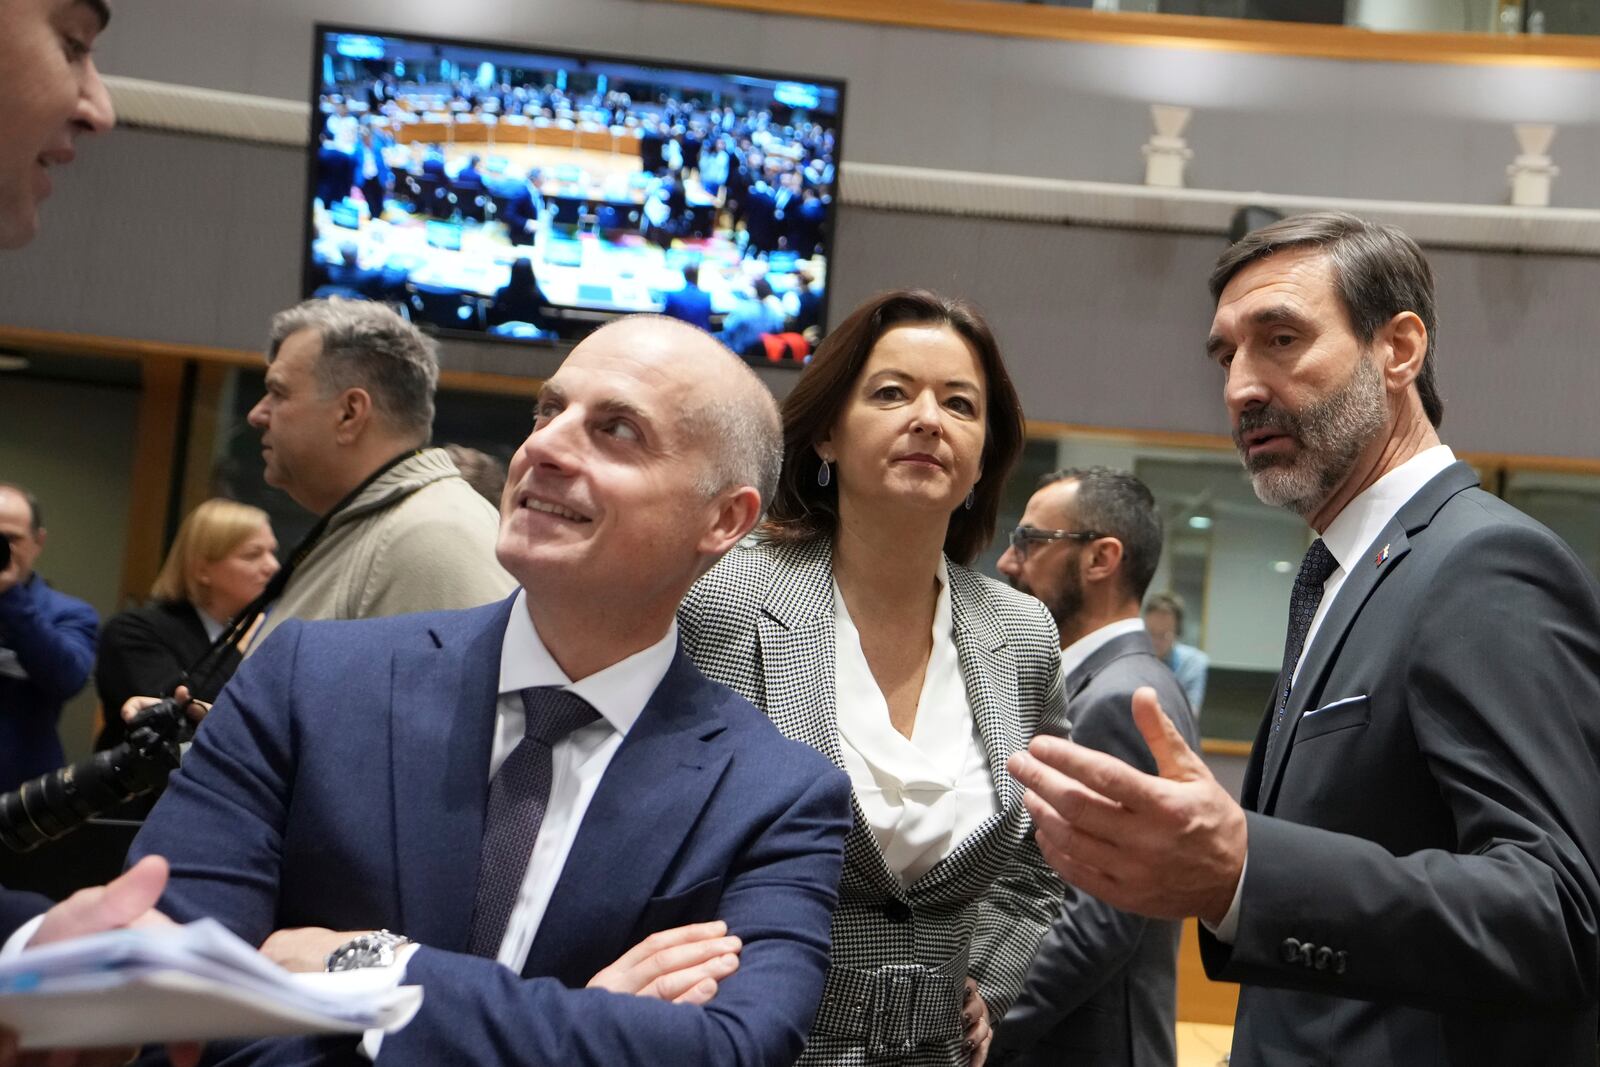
213, 658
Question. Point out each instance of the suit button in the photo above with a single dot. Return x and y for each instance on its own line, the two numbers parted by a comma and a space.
1324, 957
1290, 950
896, 911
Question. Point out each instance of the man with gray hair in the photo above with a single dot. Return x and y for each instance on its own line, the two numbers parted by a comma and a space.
509, 797
345, 424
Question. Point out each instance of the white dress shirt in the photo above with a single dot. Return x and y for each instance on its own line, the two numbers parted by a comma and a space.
1077, 654
619, 693
211, 626
1347, 537
577, 762
923, 794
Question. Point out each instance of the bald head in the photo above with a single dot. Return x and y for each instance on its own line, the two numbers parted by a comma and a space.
726, 408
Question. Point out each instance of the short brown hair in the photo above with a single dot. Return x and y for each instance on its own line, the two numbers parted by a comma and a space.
801, 509
1378, 272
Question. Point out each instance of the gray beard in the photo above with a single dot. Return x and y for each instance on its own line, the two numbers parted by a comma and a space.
1331, 434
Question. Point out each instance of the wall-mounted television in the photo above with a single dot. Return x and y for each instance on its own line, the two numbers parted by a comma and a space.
529, 193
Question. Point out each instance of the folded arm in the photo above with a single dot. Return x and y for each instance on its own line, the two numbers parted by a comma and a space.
778, 902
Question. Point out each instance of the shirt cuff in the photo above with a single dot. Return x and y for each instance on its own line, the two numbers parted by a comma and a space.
1228, 929
372, 1040
19, 940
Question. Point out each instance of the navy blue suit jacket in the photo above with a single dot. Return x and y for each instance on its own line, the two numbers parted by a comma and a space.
16, 909
53, 637
340, 782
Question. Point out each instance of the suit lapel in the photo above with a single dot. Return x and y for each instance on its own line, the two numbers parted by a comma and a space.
649, 800
443, 716
1367, 571
989, 669
1114, 649
797, 630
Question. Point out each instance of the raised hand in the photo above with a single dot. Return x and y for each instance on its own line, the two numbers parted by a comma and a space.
1167, 845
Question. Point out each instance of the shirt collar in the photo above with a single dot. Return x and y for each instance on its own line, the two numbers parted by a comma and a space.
1364, 518
211, 626
619, 693
1078, 653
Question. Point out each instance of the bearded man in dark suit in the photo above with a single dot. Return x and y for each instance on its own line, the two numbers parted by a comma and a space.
1412, 876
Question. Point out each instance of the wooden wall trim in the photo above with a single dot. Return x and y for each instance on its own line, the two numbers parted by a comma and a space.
26, 340
150, 478
55, 342
1009, 19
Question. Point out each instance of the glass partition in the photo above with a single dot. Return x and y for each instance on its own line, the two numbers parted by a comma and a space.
1224, 552
1567, 503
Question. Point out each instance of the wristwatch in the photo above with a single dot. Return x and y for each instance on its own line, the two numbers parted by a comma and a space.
376, 949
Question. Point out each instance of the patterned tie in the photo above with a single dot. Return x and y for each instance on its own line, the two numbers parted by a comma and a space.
517, 798
1314, 571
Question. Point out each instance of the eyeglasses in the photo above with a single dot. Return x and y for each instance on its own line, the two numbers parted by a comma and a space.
1023, 536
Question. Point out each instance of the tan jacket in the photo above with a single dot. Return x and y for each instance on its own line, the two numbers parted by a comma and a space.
417, 539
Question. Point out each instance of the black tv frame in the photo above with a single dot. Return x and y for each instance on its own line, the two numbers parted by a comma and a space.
321, 30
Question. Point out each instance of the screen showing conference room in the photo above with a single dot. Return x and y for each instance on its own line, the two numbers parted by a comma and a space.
535, 194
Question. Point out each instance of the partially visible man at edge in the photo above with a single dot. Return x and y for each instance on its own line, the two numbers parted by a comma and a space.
53, 95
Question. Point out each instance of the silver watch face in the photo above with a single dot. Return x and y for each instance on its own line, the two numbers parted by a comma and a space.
366, 950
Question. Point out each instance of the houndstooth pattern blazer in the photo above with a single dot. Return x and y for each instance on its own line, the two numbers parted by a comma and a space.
762, 623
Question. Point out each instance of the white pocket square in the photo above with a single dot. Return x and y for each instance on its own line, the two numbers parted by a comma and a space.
1336, 704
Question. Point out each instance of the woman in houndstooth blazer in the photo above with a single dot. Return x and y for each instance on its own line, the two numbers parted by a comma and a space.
853, 622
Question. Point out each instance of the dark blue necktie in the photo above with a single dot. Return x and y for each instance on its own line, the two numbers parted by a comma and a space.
1315, 569
518, 795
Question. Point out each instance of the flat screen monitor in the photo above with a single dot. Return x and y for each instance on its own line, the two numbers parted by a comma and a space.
533, 193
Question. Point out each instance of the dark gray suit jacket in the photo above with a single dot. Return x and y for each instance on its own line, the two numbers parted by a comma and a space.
1421, 887
1102, 991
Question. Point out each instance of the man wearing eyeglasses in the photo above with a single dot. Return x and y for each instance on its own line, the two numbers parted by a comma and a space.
1102, 988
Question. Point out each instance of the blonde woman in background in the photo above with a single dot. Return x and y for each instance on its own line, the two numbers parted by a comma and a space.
221, 560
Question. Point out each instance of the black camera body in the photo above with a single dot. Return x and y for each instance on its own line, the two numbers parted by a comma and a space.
5, 553
54, 804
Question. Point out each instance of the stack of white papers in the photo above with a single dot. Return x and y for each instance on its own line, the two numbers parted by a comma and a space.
185, 983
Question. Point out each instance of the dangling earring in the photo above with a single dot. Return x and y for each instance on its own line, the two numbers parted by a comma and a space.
971, 496
824, 474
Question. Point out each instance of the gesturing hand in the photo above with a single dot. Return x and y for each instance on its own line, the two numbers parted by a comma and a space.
1168, 845
683, 965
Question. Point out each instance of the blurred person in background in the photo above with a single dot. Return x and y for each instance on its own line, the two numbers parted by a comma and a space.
47, 641
521, 299
221, 560
1163, 618
482, 471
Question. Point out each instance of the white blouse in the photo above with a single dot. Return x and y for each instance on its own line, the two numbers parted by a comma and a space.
920, 795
